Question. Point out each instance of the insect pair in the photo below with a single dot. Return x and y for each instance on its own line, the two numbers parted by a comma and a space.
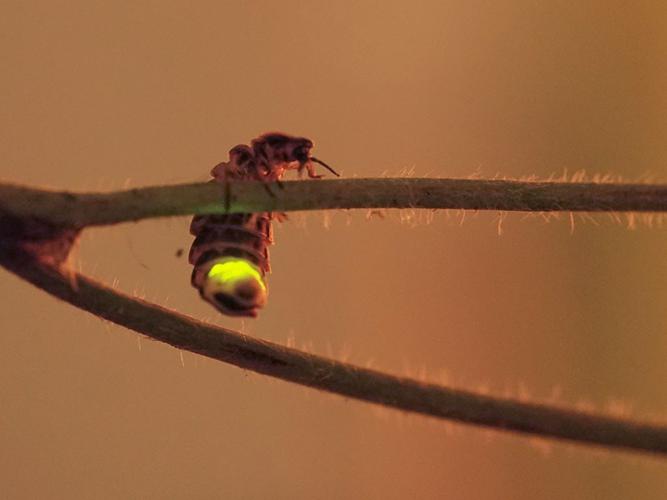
230, 251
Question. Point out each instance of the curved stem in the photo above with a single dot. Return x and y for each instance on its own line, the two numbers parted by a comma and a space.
345, 379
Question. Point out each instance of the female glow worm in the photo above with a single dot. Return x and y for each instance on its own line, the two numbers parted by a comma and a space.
230, 251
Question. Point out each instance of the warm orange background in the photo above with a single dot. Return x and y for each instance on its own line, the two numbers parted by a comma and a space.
102, 95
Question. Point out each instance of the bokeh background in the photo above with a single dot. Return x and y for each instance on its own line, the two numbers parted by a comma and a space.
105, 95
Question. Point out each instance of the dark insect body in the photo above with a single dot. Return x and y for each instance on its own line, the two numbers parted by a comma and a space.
230, 251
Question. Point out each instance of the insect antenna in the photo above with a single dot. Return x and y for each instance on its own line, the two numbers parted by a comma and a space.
325, 166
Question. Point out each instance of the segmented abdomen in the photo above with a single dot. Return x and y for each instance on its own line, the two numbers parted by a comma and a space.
238, 235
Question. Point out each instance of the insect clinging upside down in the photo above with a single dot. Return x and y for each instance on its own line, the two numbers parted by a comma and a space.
230, 251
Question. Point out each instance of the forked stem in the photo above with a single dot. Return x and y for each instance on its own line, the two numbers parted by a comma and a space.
37, 228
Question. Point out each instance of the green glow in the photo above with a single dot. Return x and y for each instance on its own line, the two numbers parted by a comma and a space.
233, 270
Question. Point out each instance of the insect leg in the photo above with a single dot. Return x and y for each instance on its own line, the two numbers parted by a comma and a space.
268, 190
228, 195
311, 171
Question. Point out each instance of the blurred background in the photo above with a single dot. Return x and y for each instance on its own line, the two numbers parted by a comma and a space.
106, 95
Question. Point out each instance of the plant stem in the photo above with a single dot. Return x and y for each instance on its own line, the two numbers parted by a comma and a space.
86, 209
345, 379
38, 227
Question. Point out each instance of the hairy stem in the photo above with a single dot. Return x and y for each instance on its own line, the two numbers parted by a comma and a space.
86, 209
345, 379
38, 227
